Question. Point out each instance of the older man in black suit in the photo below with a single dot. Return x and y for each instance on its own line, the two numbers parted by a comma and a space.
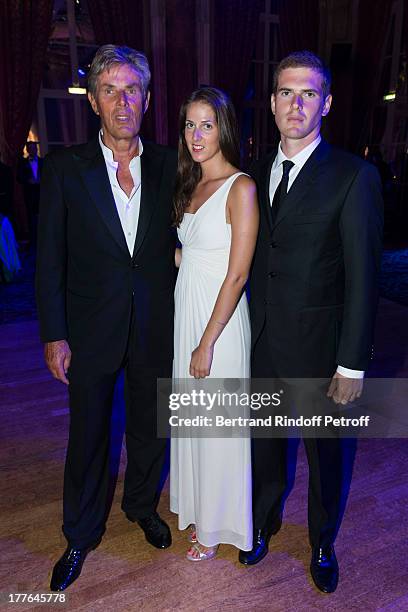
105, 283
313, 294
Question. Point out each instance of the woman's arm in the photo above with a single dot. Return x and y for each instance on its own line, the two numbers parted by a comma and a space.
177, 257
242, 210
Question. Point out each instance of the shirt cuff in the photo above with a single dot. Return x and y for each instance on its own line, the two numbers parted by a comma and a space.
350, 373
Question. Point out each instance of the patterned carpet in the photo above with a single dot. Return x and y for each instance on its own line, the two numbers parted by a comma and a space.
394, 276
17, 302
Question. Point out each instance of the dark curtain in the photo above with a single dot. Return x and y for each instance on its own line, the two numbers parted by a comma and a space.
298, 25
181, 60
373, 21
405, 35
118, 23
235, 33
336, 126
24, 31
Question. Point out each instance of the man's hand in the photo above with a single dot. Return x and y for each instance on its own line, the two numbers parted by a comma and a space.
58, 358
344, 390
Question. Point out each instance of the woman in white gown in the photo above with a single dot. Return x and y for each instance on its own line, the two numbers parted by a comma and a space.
216, 213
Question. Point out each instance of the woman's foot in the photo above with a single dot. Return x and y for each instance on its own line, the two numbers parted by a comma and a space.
198, 552
192, 535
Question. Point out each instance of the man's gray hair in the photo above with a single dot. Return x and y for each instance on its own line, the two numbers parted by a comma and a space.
111, 55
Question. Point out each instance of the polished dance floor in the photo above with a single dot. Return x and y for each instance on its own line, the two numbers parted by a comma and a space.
125, 573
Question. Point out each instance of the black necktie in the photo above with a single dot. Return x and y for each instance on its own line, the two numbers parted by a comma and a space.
281, 189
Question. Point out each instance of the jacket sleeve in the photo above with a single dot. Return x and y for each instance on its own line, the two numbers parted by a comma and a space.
51, 256
361, 228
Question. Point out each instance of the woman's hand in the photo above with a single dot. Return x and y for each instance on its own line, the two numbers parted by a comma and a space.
201, 360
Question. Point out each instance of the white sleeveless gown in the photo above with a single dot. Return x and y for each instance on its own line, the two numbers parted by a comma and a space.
210, 478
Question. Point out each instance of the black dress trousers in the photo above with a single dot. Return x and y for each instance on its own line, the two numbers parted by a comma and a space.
87, 467
271, 484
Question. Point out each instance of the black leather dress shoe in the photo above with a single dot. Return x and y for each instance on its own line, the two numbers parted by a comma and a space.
324, 569
68, 567
156, 531
260, 544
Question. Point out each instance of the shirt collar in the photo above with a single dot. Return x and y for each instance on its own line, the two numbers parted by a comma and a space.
108, 154
300, 158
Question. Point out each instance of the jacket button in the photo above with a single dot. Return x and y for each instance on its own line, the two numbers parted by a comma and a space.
134, 264
273, 245
272, 274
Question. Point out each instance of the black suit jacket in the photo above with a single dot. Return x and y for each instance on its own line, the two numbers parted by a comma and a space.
314, 275
86, 278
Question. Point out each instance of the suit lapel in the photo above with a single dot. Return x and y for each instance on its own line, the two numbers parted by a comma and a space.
151, 169
263, 186
267, 198
95, 176
306, 177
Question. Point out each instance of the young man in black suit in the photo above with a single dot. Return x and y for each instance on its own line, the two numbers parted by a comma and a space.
105, 282
313, 294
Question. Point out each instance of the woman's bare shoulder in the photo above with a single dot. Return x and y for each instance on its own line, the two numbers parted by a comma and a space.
243, 185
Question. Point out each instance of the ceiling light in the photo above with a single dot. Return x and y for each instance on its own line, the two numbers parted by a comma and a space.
75, 89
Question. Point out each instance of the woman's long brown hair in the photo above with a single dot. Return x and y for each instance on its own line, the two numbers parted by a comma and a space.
189, 171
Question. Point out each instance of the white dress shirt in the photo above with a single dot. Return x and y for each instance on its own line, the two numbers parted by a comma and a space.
299, 160
128, 207
276, 175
